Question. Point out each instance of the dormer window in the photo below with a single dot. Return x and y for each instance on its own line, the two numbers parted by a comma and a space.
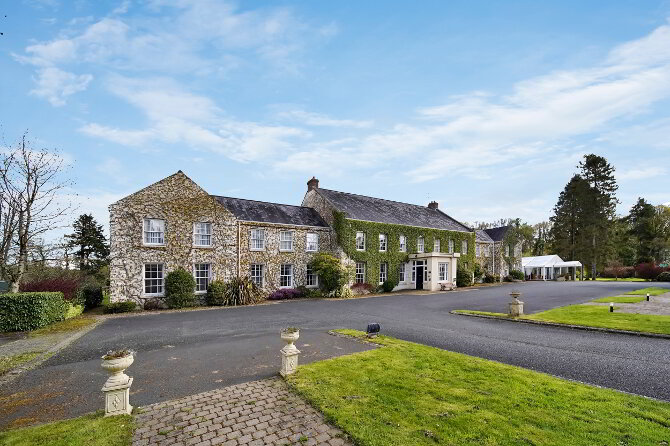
154, 231
202, 234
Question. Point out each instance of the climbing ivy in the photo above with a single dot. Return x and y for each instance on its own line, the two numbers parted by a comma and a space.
346, 236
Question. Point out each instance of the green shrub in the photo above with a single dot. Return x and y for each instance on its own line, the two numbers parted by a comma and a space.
152, 304
478, 272
239, 291
31, 310
388, 286
333, 276
179, 289
463, 277
91, 296
120, 307
516, 274
663, 277
73, 310
491, 278
216, 293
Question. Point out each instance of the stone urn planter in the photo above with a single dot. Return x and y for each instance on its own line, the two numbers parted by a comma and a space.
515, 307
289, 360
117, 386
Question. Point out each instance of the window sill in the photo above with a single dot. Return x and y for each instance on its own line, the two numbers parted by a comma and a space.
203, 246
286, 287
312, 286
154, 245
154, 295
286, 250
256, 249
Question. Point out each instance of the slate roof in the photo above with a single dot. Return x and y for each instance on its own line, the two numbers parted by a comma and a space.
361, 207
497, 234
482, 236
264, 212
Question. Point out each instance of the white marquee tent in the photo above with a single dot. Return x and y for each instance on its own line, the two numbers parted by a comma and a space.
548, 267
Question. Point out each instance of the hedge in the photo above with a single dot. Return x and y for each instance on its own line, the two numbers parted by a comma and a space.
179, 289
31, 310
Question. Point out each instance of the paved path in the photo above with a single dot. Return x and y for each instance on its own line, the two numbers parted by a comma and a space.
257, 413
180, 354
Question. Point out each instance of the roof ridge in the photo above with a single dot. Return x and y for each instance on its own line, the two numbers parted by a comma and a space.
377, 198
260, 201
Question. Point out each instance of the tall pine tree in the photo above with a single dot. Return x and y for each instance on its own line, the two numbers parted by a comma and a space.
90, 243
599, 209
566, 233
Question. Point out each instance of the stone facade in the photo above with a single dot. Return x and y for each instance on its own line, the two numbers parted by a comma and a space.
272, 257
493, 259
180, 203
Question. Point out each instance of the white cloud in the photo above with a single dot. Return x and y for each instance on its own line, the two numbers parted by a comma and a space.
56, 85
321, 120
641, 173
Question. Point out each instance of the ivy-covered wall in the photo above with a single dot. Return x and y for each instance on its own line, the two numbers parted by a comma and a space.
346, 229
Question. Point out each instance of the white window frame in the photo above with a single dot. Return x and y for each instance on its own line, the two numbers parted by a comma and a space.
161, 284
451, 246
290, 240
402, 241
402, 272
478, 250
360, 272
436, 245
198, 235
282, 275
420, 244
443, 272
383, 242
312, 245
207, 278
360, 236
464, 247
258, 280
311, 279
425, 270
146, 231
507, 250
254, 239
383, 272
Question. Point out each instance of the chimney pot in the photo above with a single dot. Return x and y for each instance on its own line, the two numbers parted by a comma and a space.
312, 184
432, 205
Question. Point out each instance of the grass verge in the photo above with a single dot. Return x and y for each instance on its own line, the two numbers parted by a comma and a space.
629, 299
411, 394
621, 279
74, 324
653, 291
89, 430
7, 363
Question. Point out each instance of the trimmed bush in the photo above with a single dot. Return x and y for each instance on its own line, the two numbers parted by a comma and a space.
31, 310
663, 277
388, 286
179, 289
478, 272
285, 294
648, 271
73, 310
91, 296
120, 307
216, 293
463, 277
152, 304
515, 274
491, 278
621, 272
66, 285
333, 276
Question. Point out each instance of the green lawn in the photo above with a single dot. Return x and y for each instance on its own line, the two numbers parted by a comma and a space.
76, 323
88, 430
411, 394
653, 291
621, 279
630, 299
9, 362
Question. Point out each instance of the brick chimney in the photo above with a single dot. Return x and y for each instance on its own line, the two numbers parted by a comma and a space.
312, 184
432, 205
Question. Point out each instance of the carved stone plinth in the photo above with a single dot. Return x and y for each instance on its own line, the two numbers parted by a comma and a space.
289, 354
515, 308
117, 399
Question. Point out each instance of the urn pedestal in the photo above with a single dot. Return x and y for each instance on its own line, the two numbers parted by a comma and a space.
117, 386
515, 306
289, 354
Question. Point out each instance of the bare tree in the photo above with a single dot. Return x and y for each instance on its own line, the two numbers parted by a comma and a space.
30, 183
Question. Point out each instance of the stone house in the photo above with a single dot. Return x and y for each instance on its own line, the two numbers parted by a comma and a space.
417, 247
175, 224
495, 253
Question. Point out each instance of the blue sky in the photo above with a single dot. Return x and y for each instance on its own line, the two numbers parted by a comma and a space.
485, 107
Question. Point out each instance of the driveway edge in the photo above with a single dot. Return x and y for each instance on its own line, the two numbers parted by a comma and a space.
576, 327
14, 373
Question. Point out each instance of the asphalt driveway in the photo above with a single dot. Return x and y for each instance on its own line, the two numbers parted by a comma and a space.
188, 352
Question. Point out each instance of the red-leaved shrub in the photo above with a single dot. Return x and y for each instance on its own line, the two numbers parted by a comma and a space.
621, 272
648, 271
285, 293
66, 285
363, 288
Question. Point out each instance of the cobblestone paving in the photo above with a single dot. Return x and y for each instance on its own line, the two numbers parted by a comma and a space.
257, 413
